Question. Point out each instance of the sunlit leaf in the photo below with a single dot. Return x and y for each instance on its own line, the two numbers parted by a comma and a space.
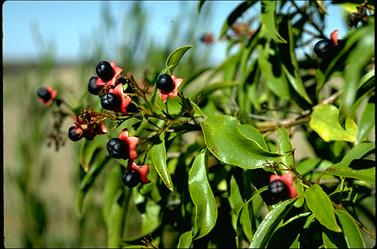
185, 240
225, 141
205, 210
174, 59
325, 121
320, 204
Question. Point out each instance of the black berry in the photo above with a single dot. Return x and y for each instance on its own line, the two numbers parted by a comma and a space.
92, 86
109, 101
117, 148
131, 179
73, 135
278, 190
105, 71
44, 94
165, 83
323, 48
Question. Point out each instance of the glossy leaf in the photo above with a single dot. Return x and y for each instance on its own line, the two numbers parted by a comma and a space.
352, 233
366, 122
185, 240
205, 211
225, 141
342, 168
268, 21
158, 158
320, 204
325, 121
251, 132
174, 59
269, 224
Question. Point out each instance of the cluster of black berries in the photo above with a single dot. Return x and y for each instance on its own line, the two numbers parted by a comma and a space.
108, 85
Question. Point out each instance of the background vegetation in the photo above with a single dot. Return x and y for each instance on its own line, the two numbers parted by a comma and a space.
321, 109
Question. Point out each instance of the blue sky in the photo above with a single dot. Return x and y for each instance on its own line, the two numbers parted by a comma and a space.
66, 23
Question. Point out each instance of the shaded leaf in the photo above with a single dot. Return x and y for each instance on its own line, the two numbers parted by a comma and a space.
325, 121
320, 204
225, 141
366, 122
116, 220
342, 168
158, 159
89, 178
113, 184
359, 57
271, 70
351, 231
269, 224
205, 211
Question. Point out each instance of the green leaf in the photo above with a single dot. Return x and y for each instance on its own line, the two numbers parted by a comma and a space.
352, 234
89, 178
320, 204
332, 239
268, 21
116, 220
271, 70
269, 224
285, 147
293, 74
185, 240
112, 186
158, 158
205, 211
225, 141
324, 121
359, 57
236, 203
342, 168
251, 132
366, 122
87, 152
174, 59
